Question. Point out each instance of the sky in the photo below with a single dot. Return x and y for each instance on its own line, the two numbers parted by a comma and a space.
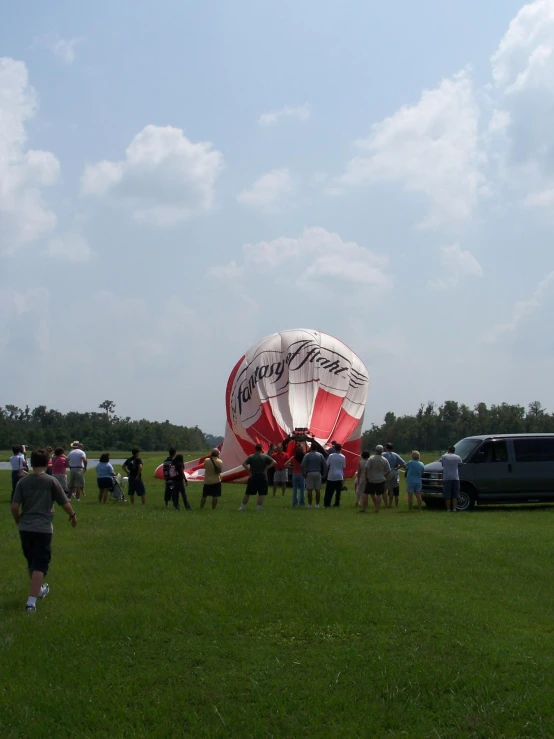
179, 179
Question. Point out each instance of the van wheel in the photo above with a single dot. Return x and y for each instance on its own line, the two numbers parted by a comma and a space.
466, 501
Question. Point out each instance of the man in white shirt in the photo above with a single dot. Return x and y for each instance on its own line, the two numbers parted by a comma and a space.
77, 463
336, 462
451, 478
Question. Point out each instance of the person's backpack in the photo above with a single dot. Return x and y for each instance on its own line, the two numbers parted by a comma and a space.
168, 463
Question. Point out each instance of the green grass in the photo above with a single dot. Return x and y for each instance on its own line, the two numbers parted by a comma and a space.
288, 623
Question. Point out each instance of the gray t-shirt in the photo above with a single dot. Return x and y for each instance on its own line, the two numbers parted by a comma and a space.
395, 460
313, 462
450, 464
377, 468
36, 494
259, 463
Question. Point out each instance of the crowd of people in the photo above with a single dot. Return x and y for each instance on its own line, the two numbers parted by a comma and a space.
35, 490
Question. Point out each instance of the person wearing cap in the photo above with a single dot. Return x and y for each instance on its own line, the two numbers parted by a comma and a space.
376, 471
392, 484
336, 462
77, 463
213, 466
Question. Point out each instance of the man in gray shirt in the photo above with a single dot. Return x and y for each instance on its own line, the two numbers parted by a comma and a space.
33, 510
313, 469
451, 478
376, 470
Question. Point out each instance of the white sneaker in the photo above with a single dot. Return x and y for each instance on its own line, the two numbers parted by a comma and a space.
317, 506
44, 590
242, 509
309, 506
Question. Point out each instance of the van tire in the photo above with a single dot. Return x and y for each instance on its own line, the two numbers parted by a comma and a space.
466, 501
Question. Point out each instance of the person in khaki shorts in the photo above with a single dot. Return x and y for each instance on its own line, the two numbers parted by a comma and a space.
376, 471
313, 468
77, 463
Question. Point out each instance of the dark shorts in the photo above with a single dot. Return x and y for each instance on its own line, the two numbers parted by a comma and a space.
375, 488
213, 490
257, 485
136, 487
105, 483
393, 491
451, 489
37, 549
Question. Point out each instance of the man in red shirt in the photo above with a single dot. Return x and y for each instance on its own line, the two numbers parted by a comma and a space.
281, 472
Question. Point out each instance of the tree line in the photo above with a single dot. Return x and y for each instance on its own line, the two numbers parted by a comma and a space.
100, 431
434, 427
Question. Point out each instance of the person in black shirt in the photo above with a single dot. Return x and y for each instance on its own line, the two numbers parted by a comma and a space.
169, 485
133, 468
180, 482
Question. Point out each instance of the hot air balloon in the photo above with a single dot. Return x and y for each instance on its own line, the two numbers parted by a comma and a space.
296, 384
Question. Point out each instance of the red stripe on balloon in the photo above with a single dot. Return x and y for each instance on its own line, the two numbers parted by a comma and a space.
324, 414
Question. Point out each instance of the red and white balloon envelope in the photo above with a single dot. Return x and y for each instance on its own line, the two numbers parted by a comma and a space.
297, 379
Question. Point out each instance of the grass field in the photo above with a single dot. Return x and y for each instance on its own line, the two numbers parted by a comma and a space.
285, 623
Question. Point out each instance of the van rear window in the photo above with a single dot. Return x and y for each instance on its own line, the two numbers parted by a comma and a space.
534, 450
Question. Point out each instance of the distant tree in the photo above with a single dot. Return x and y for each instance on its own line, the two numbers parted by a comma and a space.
109, 407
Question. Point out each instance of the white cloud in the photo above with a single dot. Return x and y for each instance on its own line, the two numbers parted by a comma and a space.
63, 49
522, 310
430, 148
456, 265
316, 256
165, 178
70, 248
524, 55
24, 316
270, 191
541, 198
299, 113
499, 122
23, 173
225, 272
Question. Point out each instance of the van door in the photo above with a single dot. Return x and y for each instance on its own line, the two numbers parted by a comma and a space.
533, 467
492, 471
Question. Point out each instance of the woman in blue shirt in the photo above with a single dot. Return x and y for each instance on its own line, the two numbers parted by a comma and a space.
414, 470
105, 474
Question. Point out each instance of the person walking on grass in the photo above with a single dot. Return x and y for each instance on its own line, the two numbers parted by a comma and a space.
360, 477
280, 473
451, 478
213, 465
18, 465
376, 470
414, 472
105, 474
298, 480
59, 468
313, 468
336, 462
257, 465
133, 468
77, 463
392, 483
32, 508
169, 484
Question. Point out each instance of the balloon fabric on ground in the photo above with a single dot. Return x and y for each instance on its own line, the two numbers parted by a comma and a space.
295, 379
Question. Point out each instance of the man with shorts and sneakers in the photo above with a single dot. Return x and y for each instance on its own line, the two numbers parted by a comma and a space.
451, 478
376, 471
77, 463
392, 483
213, 466
257, 465
33, 510
133, 468
314, 467
281, 474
